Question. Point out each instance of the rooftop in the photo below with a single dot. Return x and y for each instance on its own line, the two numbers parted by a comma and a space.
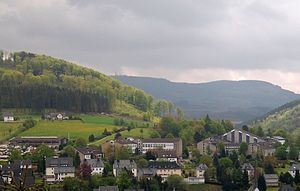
163, 165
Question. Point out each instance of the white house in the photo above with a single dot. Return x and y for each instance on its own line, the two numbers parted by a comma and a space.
293, 169
279, 139
200, 170
8, 117
97, 166
59, 168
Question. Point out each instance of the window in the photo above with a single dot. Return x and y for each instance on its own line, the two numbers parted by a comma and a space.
240, 137
247, 139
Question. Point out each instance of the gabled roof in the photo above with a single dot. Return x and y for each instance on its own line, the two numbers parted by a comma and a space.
118, 164
202, 167
163, 165
247, 166
88, 150
95, 163
7, 114
62, 161
294, 167
159, 153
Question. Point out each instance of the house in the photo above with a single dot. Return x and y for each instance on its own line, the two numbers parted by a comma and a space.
272, 180
120, 165
174, 144
8, 117
107, 188
34, 141
59, 168
16, 171
86, 153
293, 169
232, 141
165, 155
250, 170
279, 139
56, 116
286, 187
133, 145
200, 170
165, 168
97, 166
148, 173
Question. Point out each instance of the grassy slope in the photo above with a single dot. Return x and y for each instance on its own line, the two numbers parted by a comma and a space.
75, 129
8, 129
90, 124
133, 133
287, 119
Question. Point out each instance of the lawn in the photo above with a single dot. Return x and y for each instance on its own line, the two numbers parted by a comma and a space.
282, 170
73, 129
204, 187
109, 120
133, 133
8, 129
272, 188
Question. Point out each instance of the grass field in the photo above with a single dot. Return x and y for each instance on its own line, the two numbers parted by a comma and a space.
282, 170
74, 128
133, 133
204, 187
8, 129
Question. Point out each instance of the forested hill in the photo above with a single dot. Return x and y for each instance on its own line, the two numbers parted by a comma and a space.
235, 100
281, 120
38, 82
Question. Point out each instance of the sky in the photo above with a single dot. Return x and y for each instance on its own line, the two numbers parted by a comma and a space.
180, 40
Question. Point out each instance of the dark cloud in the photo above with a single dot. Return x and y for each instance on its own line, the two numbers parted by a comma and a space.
175, 35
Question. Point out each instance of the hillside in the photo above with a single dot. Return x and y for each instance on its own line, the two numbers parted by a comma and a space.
286, 118
40, 82
235, 100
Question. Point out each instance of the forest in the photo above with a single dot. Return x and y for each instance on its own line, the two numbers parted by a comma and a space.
38, 82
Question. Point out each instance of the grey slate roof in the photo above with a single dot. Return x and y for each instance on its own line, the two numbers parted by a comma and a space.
62, 161
129, 164
7, 114
247, 166
202, 167
163, 165
95, 162
294, 167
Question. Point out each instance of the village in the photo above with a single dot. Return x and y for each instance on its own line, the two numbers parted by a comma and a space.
136, 159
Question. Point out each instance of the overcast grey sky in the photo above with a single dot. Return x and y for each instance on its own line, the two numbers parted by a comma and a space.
181, 40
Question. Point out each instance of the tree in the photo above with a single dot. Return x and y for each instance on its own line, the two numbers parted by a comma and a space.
186, 134
197, 137
92, 138
206, 160
179, 113
243, 148
15, 155
77, 160
154, 134
245, 128
245, 179
293, 153
175, 182
80, 142
281, 153
260, 132
261, 183
122, 154
40, 154
69, 151
124, 180
85, 171
29, 123
75, 184
297, 177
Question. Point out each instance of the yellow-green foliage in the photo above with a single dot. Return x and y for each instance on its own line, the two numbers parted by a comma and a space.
9, 129
133, 133
74, 129
287, 119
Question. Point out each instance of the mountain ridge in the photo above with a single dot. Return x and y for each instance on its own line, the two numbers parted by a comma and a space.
237, 100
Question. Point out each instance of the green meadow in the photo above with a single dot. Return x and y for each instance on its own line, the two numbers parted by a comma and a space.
9, 129
71, 128
133, 133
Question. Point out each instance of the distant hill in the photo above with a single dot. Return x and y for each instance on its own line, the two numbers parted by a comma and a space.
39, 82
235, 100
284, 118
